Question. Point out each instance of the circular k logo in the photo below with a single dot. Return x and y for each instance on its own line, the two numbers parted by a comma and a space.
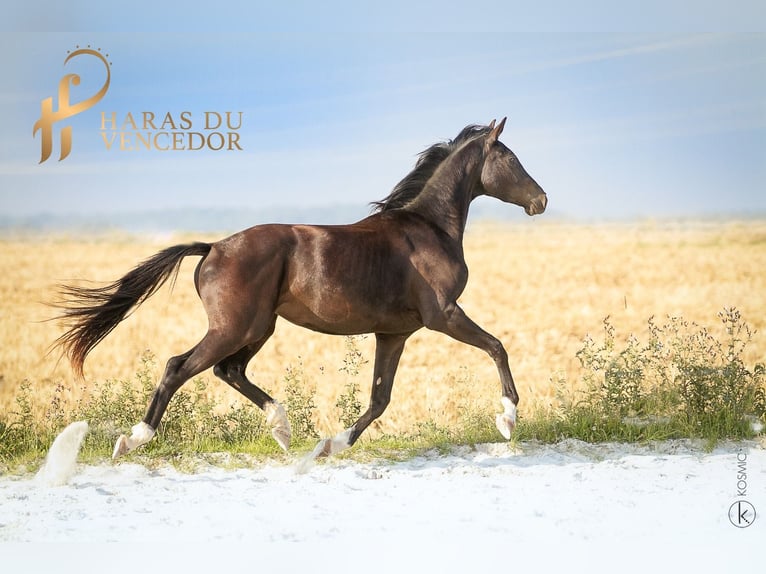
742, 514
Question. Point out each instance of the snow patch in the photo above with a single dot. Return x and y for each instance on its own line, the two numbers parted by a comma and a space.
441, 513
61, 462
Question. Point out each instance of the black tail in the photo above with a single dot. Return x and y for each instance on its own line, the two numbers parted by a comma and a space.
92, 313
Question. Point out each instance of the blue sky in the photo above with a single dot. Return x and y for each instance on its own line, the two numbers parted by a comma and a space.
336, 105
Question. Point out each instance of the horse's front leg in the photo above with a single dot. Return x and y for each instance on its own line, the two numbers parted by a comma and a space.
455, 323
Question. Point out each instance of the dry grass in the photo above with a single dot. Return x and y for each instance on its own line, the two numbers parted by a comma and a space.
539, 287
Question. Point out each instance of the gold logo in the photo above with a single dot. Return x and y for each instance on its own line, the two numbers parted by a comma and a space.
49, 116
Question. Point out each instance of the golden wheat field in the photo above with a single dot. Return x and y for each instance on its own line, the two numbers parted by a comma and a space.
540, 287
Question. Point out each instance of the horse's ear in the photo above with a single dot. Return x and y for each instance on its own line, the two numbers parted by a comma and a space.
496, 131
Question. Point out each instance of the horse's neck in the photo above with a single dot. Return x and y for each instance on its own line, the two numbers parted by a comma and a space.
446, 197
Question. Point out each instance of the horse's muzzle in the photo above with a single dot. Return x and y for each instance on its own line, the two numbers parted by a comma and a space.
537, 205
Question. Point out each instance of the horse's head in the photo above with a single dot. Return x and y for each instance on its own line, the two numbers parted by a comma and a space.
503, 176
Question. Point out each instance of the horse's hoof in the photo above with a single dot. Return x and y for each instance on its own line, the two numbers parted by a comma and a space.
120, 447
324, 448
506, 421
331, 446
505, 424
280, 425
282, 436
321, 450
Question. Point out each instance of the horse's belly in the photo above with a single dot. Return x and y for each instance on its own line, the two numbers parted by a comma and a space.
340, 318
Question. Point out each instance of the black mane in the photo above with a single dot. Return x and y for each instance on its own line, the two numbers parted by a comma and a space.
428, 160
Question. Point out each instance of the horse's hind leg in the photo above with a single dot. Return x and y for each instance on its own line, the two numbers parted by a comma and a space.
388, 351
232, 371
211, 349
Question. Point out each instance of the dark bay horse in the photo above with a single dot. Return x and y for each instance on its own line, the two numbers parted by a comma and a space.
400, 269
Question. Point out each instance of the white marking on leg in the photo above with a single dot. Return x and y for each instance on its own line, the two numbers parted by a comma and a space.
339, 442
280, 425
325, 447
510, 408
141, 433
506, 421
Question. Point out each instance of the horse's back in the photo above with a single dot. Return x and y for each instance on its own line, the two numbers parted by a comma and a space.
343, 279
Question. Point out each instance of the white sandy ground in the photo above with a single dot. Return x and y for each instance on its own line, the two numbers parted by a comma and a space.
570, 507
